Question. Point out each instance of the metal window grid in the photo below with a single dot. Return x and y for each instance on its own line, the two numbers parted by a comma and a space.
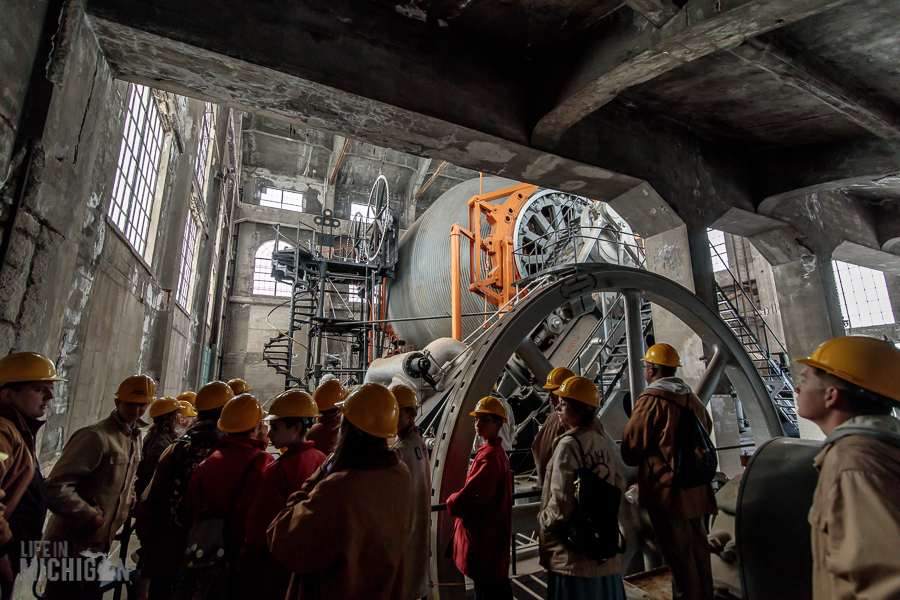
263, 282
283, 199
717, 249
864, 296
188, 248
359, 211
138, 167
206, 135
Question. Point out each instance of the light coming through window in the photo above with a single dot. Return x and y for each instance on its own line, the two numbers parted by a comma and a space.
206, 134
717, 250
362, 212
283, 199
863, 295
263, 282
186, 273
138, 168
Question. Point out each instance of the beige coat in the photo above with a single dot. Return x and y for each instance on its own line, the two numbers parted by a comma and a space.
412, 451
855, 515
648, 442
344, 534
558, 502
94, 476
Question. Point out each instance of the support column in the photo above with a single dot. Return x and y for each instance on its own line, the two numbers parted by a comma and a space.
634, 337
807, 316
669, 254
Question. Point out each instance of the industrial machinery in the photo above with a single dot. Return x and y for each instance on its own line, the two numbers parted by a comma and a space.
338, 298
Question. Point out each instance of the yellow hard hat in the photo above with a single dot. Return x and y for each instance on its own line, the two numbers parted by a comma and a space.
490, 406
292, 403
189, 397
213, 395
329, 394
186, 408
138, 388
406, 396
238, 386
870, 363
556, 377
162, 406
27, 366
581, 389
241, 413
663, 354
372, 408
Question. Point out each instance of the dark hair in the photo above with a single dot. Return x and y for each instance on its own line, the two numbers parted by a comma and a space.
291, 422
355, 446
666, 371
862, 401
212, 414
584, 411
164, 423
16, 386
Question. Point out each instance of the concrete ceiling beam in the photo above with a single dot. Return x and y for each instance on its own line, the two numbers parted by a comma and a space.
631, 53
657, 12
865, 111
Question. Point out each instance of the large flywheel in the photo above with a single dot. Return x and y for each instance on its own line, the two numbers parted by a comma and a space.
475, 373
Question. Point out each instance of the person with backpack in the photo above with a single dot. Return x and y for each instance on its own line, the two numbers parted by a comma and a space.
545, 439
849, 388
219, 496
161, 533
167, 427
483, 509
345, 532
411, 449
678, 513
291, 414
575, 568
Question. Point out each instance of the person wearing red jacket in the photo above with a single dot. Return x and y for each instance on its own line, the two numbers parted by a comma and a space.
224, 485
325, 431
291, 414
483, 509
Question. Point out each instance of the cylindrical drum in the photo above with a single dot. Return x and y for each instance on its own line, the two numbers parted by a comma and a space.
422, 285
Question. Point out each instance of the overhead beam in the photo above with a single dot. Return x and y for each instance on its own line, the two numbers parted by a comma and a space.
790, 70
657, 12
630, 53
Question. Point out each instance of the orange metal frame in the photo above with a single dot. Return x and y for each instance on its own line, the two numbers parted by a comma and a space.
495, 286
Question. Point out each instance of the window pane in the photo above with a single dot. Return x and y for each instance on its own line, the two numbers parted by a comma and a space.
138, 168
263, 282
283, 199
717, 249
863, 295
362, 212
186, 272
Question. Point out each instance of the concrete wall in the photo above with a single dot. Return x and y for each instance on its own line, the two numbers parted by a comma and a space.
71, 286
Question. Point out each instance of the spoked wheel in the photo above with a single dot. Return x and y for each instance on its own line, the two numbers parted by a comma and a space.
475, 373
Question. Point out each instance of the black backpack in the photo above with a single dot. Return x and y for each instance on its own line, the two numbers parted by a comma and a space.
593, 528
695, 456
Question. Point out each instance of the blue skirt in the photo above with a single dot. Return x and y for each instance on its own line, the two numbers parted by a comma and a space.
569, 587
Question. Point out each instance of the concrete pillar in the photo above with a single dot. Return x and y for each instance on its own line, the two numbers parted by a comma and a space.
807, 314
668, 254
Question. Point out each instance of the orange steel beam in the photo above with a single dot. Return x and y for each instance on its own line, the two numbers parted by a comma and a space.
455, 284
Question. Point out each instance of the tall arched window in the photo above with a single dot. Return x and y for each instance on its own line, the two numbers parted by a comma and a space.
263, 282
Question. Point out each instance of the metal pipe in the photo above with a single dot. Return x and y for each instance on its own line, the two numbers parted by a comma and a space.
634, 335
712, 375
455, 285
534, 359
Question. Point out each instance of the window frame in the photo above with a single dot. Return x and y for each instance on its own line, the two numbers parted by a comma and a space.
187, 263
280, 204
264, 277
863, 298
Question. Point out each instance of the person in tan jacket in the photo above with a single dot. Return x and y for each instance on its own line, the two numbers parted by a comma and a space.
678, 514
545, 439
344, 534
26, 388
411, 449
848, 389
571, 574
90, 489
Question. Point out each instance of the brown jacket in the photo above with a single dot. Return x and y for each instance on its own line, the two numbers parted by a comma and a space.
16, 471
855, 515
558, 501
412, 451
324, 433
648, 442
94, 476
344, 533
545, 441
